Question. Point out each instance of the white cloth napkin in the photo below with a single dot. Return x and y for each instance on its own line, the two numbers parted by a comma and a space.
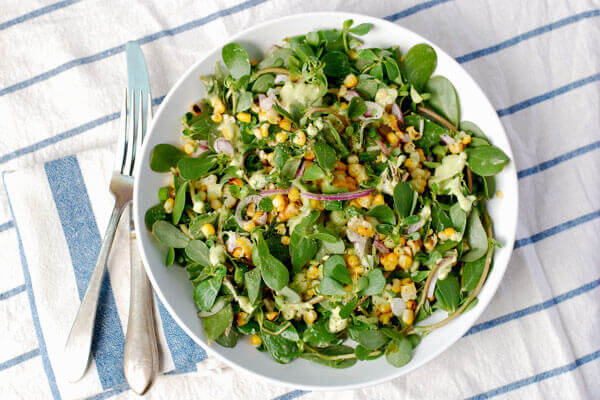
60, 84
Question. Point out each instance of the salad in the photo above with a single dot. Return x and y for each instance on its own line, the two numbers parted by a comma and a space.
326, 200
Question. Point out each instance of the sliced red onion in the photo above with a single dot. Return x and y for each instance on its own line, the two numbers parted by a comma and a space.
301, 169
398, 113
383, 147
381, 246
265, 103
231, 243
281, 78
432, 284
339, 196
415, 227
241, 205
224, 146
350, 94
203, 144
447, 139
374, 111
274, 191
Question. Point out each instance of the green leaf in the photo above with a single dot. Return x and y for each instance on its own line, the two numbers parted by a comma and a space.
312, 173
281, 154
443, 98
323, 356
307, 222
326, 155
317, 334
366, 54
472, 273
169, 235
179, 203
244, 102
392, 71
198, 252
331, 287
273, 272
458, 217
375, 283
215, 325
383, 213
347, 309
361, 352
228, 340
290, 168
372, 339
431, 131
404, 199
356, 108
205, 293
476, 237
164, 157
252, 281
170, 258
266, 204
153, 214
263, 83
399, 352
236, 59
361, 29
302, 50
336, 64
447, 293
486, 160
439, 219
195, 226
419, 64
313, 39
303, 251
281, 349
472, 129
195, 168
335, 267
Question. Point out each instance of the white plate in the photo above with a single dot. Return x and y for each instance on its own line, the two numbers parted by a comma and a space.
172, 284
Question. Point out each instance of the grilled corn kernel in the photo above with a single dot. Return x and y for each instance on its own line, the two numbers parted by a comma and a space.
255, 108
377, 200
352, 261
466, 139
271, 158
257, 216
280, 229
218, 106
251, 210
410, 164
248, 226
279, 202
353, 203
404, 261
385, 318
246, 245
285, 240
189, 148
415, 245
300, 139
285, 124
281, 137
312, 272
385, 308
271, 315
273, 117
421, 155
309, 155
456, 147
294, 194
446, 234
238, 252
208, 230
217, 118
411, 304
310, 316
340, 166
316, 204
264, 130
168, 206
350, 81
365, 201
389, 261
408, 291
357, 271
430, 243
392, 138
352, 159
244, 117
216, 204
413, 134
365, 231
408, 316
396, 285
255, 340
241, 318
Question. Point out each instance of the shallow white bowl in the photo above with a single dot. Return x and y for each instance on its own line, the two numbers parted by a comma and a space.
172, 284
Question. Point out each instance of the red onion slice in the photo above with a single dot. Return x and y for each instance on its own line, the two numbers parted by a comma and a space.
274, 191
398, 113
381, 246
384, 149
265, 103
300, 171
351, 94
374, 111
339, 196
224, 146
415, 227
447, 139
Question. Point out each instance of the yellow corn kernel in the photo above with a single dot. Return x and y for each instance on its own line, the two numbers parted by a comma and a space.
285, 124
291, 210
404, 261
357, 271
343, 105
168, 206
273, 117
255, 340
316, 204
365, 201
280, 229
353, 203
421, 155
365, 231
350, 81
216, 204
466, 139
385, 318
377, 200
208, 230
408, 316
352, 261
217, 118
248, 226
411, 304
279, 202
271, 158
406, 281
410, 164
310, 316
456, 147
264, 130
218, 106
294, 194
396, 285
257, 216
312, 272
389, 261
300, 139
244, 117
310, 293
392, 138
262, 116
238, 252
189, 147
281, 137
271, 315
446, 234
309, 155
413, 134
241, 318
415, 245
385, 308
430, 243
285, 240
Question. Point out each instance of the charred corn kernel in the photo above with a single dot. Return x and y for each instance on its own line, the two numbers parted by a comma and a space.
217, 118
208, 230
365, 231
248, 226
353, 203
456, 147
218, 106
310, 316
390, 120
401, 241
385, 318
281, 137
389, 261
413, 134
255, 340
244, 117
285, 124
241, 318
216, 204
312, 272
271, 315
255, 108
430, 243
421, 155
300, 139
350, 81
392, 138
377, 200
246, 245
365, 201
309, 155
279, 202
398, 250
291, 210
352, 159
446, 234
396, 285
294, 194
271, 158
257, 216
352, 261
406, 281
280, 229
409, 147
316, 204
408, 316
238, 252
415, 245
385, 308
408, 291
251, 209
466, 139
264, 130
168, 206
285, 240
411, 304
189, 148
410, 164
404, 261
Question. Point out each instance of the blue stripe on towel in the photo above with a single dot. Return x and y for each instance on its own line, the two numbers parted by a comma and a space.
5, 226
84, 241
37, 13
414, 9
12, 292
19, 359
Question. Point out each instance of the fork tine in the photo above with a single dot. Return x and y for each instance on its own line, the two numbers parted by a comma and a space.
120, 153
130, 140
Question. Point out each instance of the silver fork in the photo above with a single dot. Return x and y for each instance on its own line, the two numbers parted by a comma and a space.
141, 356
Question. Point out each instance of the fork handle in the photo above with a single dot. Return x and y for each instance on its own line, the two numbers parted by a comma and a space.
79, 342
140, 362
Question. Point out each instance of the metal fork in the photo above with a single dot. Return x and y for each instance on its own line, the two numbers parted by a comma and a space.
141, 357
